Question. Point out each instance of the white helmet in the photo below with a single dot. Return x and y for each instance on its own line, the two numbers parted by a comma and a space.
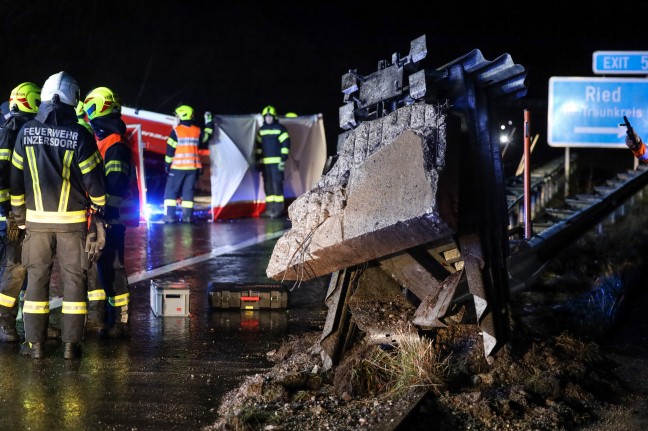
65, 86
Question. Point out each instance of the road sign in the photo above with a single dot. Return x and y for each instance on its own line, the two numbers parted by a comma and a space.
587, 112
620, 62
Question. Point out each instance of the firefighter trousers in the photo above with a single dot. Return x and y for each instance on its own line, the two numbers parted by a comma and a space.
112, 276
180, 184
12, 278
273, 185
38, 254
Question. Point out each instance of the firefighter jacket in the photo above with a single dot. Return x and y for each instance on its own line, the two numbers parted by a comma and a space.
56, 172
8, 134
122, 191
183, 144
273, 144
640, 152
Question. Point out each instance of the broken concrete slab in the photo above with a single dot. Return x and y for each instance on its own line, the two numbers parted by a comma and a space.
389, 190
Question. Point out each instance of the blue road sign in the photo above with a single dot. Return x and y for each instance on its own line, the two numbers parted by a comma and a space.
620, 62
588, 112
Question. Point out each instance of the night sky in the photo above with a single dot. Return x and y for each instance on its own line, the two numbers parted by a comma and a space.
235, 57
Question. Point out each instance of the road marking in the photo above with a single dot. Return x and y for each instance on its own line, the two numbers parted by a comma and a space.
619, 131
144, 275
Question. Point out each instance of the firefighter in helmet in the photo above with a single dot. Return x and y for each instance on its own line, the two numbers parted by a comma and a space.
273, 148
182, 162
23, 106
57, 176
108, 276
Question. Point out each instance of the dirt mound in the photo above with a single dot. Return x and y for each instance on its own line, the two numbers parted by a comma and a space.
558, 383
577, 360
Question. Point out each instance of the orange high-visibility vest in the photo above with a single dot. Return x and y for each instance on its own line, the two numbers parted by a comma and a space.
129, 205
186, 153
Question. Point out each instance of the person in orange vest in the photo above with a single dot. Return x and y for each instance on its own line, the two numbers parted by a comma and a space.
273, 148
636, 145
182, 162
108, 276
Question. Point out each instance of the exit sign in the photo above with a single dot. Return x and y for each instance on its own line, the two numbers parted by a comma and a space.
620, 62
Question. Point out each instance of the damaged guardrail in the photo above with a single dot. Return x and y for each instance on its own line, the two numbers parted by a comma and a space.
414, 203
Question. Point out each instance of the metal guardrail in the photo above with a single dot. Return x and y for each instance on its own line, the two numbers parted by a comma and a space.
547, 183
576, 217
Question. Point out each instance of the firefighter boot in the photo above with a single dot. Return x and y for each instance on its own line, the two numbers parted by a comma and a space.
35, 350
96, 316
8, 332
170, 216
266, 213
71, 351
119, 322
279, 209
276, 208
187, 215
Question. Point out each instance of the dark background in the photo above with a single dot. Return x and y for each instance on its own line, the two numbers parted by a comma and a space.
235, 57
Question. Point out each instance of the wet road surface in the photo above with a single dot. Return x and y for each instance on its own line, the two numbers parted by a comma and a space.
171, 373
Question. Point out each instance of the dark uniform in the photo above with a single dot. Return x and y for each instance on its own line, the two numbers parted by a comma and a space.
57, 173
273, 148
122, 210
12, 272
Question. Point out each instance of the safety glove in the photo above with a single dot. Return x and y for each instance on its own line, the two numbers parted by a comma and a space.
13, 230
208, 117
281, 165
96, 239
633, 141
167, 168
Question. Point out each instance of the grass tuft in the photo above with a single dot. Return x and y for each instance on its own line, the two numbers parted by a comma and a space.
411, 365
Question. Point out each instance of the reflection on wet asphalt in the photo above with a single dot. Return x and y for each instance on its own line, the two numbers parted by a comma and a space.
172, 372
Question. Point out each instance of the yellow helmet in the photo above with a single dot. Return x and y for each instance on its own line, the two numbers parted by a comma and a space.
25, 98
269, 110
184, 112
79, 110
100, 102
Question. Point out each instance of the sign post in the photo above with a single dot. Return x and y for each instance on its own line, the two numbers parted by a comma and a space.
588, 112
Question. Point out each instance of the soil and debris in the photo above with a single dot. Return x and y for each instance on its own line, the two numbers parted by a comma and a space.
577, 360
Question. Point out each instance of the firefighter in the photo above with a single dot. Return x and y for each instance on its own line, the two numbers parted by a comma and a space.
23, 105
182, 162
637, 147
56, 177
273, 148
122, 209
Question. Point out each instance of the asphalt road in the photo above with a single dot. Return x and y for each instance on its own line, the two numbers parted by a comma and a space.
171, 373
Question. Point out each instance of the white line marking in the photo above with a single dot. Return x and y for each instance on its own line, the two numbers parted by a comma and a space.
144, 275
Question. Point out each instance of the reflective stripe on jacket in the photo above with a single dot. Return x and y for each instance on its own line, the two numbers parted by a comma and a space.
57, 171
183, 152
8, 133
273, 143
122, 191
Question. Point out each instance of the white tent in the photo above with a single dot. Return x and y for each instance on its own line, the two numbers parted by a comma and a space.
236, 188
